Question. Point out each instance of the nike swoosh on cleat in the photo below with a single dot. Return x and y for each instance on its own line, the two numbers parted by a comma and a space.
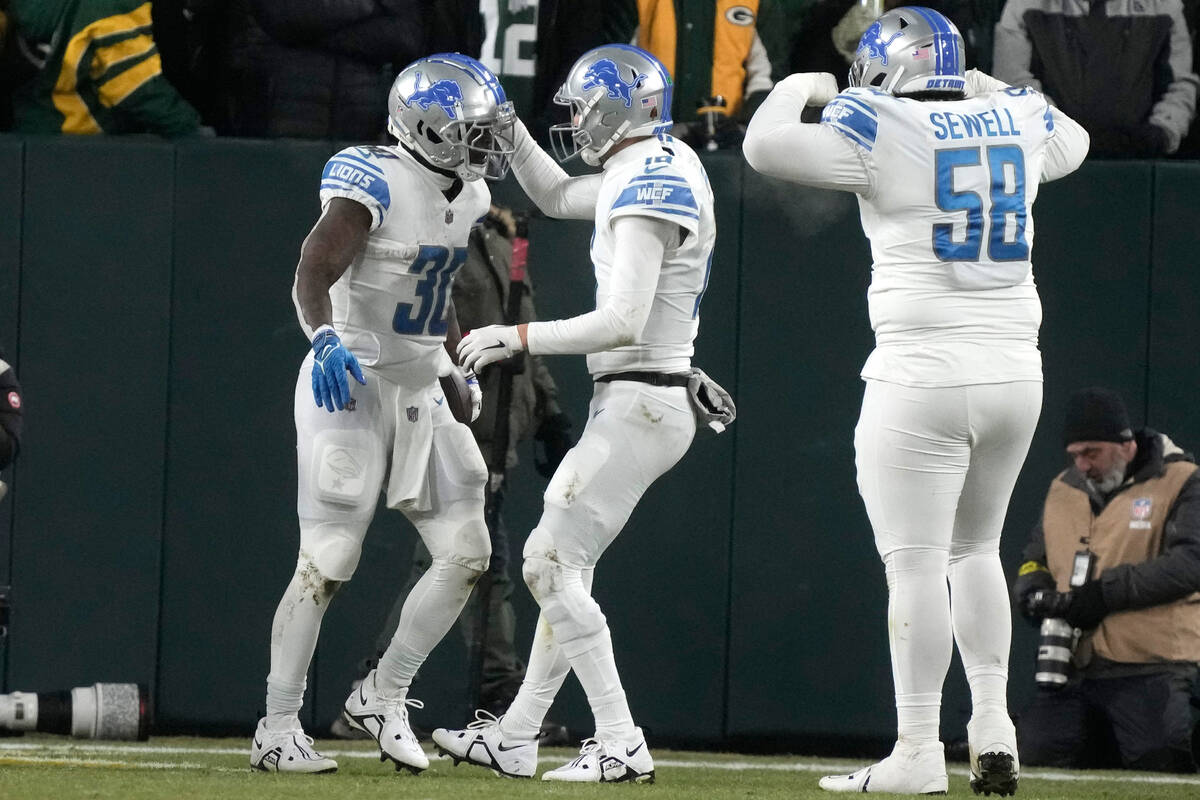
257, 743
630, 753
504, 749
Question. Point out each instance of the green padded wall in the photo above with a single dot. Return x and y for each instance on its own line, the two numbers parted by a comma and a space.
230, 536
95, 283
807, 627
153, 525
11, 181
1174, 383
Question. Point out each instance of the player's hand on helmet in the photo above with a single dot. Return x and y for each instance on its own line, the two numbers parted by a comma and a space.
819, 87
331, 362
487, 345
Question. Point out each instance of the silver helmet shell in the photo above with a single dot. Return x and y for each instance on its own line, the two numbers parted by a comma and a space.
614, 91
453, 112
908, 50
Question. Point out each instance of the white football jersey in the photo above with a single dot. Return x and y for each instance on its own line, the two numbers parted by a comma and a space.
390, 305
660, 177
948, 209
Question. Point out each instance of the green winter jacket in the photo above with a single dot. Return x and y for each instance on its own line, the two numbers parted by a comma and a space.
99, 71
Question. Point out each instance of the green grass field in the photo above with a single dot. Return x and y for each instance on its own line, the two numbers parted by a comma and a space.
57, 768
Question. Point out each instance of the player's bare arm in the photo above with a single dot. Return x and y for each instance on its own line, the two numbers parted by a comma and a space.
328, 250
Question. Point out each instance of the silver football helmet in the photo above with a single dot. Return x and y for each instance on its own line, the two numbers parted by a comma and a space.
452, 111
614, 91
910, 49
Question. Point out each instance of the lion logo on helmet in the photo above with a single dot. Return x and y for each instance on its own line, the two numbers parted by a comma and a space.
444, 93
604, 74
872, 41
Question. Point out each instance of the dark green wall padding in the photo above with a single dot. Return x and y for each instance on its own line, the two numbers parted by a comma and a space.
145, 297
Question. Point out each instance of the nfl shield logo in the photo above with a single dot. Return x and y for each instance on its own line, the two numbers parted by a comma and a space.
411, 411
1141, 508
449, 216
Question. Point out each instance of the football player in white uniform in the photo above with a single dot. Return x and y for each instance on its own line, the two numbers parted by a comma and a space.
372, 293
946, 165
652, 249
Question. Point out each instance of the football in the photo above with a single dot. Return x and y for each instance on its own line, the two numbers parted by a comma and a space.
458, 396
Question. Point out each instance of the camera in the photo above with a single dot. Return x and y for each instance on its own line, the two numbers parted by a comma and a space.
1058, 637
1055, 648
99, 711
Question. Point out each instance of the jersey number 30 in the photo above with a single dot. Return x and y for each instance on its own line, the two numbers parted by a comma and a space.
427, 314
1005, 170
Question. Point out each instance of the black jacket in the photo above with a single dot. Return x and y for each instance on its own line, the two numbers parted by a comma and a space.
1121, 68
10, 413
317, 69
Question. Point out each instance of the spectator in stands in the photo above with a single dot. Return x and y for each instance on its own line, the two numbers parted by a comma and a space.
719, 65
95, 69
316, 69
1122, 68
1125, 518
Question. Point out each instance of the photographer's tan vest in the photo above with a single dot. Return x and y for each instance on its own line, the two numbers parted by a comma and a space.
1128, 531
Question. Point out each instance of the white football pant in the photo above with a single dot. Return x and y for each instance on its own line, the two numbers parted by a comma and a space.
936, 469
635, 433
437, 479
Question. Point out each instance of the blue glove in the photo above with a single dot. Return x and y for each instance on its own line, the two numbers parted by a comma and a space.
330, 388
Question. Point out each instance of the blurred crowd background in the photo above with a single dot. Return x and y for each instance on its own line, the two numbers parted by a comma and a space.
320, 69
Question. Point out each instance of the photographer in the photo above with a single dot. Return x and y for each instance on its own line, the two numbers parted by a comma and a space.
10, 415
1117, 556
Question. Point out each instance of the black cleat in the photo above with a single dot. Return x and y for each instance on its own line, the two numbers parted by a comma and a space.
997, 775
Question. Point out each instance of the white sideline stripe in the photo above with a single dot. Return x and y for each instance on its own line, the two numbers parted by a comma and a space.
733, 766
68, 760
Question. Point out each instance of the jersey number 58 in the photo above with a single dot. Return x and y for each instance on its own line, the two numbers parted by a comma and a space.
1005, 183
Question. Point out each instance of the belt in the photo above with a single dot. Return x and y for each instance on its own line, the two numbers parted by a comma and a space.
652, 378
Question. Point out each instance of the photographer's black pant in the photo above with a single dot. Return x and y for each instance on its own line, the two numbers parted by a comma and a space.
1138, 722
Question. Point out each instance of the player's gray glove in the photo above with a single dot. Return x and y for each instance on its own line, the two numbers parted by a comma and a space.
487, 345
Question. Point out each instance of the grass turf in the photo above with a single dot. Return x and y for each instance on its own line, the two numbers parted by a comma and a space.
37, 767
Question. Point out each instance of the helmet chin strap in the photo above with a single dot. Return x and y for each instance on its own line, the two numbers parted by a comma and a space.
594, 158
451, 173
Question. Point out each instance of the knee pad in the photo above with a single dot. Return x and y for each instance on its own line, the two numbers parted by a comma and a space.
573, 615
915, 563
963, 550
331, 550
458, 535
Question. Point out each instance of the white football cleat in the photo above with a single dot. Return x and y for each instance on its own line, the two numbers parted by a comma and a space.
386, 721
601, 761
483, 743
910, 769
992, 741
286, 751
